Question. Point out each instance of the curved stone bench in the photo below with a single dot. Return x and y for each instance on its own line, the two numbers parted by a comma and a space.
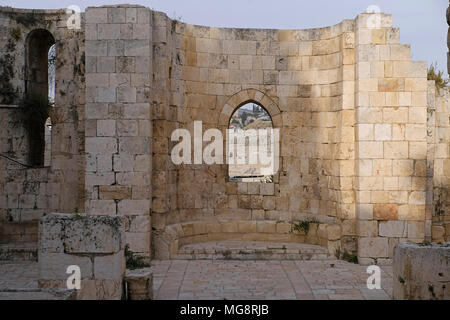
168, 242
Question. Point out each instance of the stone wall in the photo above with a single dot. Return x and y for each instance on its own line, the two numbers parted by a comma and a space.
26, 193
118, 131
351, 107
323, 88
391, 99
298, 76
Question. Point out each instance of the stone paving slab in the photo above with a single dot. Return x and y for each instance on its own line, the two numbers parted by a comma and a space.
232, 280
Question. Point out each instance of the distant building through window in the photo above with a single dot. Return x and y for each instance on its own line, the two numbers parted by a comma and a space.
246, 126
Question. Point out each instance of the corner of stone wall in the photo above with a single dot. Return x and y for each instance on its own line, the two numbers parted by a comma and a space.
391, 140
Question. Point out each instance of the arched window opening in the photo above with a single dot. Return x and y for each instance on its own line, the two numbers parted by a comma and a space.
40, 94
250, 144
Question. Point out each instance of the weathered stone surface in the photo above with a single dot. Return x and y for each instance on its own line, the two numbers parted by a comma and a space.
373, 247
72, 233
421, 272
54, 265
139, 284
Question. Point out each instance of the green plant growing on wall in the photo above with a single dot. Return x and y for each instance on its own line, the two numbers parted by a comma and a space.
134, 261
346, 256
16, 34
437, 76
302, 226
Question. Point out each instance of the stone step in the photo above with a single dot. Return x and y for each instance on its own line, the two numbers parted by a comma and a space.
19, 252
251, 250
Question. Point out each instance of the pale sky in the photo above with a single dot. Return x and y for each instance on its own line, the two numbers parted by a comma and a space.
422, 23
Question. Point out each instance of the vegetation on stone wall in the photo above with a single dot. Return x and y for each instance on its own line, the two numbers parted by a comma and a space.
134, 261
437, 76
302, 226
346, 256
33, 109
7, 92
16, 33
26, 19
439, 203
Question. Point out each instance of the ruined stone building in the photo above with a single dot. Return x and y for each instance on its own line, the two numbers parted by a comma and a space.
364, 137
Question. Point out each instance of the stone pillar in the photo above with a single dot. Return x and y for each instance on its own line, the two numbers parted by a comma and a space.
118, 126
139, 285
391, 146
95, 244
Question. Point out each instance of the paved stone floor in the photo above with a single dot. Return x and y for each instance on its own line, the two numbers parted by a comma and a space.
18, 275
227, 279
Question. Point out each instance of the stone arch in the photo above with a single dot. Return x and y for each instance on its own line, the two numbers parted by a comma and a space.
250, 95
38, 44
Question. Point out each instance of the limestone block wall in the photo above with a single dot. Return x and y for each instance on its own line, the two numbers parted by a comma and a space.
359, 151
27, 193
303, 78
118, 127
391, 140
